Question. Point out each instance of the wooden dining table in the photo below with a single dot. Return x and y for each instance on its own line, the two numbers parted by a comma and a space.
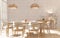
39, 22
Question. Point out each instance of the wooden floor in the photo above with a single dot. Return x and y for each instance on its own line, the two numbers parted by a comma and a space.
54, 34
45, 36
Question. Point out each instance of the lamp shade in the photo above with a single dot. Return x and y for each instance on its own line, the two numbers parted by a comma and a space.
12, 6
35, 6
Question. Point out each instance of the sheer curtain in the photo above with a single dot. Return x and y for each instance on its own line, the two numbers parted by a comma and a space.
3, 12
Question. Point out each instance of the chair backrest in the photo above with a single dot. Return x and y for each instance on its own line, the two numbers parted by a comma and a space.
35, 26
9, 25
19, 26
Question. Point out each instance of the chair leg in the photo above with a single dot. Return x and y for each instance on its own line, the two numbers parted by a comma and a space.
48, 29
7, 31
38, 35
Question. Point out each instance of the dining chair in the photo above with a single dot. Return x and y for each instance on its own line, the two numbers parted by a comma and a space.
33, 30
18, 27
9, 26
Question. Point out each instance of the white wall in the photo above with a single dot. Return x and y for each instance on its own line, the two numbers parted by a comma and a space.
25, 12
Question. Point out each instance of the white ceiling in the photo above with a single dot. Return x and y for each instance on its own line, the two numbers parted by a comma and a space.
25, 12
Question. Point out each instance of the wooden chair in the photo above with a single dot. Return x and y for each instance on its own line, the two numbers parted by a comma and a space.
9, 26
41, 25
53, 21
18, 28
49, 24
34, 30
